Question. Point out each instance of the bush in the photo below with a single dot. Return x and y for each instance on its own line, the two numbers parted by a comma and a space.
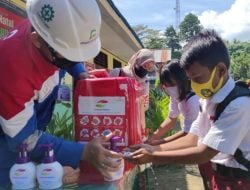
158, 109
61, 125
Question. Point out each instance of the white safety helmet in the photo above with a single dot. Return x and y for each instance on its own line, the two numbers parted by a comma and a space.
70, 27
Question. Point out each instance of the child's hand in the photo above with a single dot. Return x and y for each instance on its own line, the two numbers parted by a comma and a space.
143, 154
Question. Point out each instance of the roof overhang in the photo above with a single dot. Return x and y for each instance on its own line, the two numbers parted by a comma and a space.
117, 36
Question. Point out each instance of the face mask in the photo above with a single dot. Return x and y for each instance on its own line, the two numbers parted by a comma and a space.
206, 90
172, 92
63, 63
60, 62
140, 71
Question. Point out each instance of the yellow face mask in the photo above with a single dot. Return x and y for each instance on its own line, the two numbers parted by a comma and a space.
206, 90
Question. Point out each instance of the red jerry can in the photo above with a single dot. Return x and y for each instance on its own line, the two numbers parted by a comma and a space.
103, 105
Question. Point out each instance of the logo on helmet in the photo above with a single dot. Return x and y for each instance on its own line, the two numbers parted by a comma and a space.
47, 13
92, 37
92, 34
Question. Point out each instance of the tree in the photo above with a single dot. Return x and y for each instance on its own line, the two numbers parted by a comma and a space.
154, 42
240, 59
173, 42
142, 31
189, 27
150, 38
240, 67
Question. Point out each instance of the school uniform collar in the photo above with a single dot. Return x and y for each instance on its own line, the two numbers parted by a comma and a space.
223, 92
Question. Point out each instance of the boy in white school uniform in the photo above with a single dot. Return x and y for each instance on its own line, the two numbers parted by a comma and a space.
210, 140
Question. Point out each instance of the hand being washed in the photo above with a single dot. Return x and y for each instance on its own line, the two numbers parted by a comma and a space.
142, 153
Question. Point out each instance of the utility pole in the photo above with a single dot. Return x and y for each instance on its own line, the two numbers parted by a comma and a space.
177, 14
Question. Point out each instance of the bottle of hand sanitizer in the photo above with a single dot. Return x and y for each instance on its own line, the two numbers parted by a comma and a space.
49, 172
23, 172
119, 173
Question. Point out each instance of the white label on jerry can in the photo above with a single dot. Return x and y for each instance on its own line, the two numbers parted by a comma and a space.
101, 105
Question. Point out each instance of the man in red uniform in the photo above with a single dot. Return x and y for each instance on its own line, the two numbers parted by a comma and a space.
58, 34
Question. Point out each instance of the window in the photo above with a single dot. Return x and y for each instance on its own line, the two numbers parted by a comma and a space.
101, 60
116, 63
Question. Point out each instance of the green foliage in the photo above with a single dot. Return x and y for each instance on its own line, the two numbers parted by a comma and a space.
176, 55
173, 42
158, 109
143, 32
240, 59
150, 38
154, 43
61, 125
240, 67
189, 27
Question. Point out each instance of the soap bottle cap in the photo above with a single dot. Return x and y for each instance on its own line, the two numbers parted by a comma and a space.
22, 155
113, 142
48, 153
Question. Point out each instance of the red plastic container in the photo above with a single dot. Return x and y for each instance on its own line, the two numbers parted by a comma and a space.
103, 105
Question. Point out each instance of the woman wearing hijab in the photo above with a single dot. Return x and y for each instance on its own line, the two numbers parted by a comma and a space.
139, 65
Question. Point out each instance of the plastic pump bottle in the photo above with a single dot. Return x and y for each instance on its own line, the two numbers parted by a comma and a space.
23, 172
119, 173
49, 172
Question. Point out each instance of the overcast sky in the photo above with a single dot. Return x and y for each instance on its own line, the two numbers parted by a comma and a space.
231, 18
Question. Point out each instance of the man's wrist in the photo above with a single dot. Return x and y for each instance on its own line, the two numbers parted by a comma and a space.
83, 75
84, 153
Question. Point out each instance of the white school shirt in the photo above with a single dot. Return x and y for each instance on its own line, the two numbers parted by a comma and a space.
230, 131
188, 108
